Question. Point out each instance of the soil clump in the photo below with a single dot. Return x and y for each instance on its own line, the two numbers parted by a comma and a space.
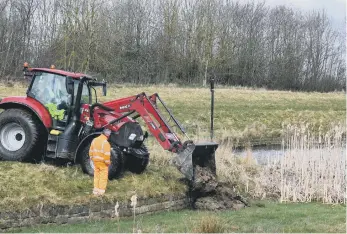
208, 194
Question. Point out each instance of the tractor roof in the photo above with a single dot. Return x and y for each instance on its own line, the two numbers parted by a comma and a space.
60, 72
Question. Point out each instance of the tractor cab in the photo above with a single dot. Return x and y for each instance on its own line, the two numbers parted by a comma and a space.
58, 93
62, 93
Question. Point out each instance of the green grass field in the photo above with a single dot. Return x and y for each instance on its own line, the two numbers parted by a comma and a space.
264, 217
245, 114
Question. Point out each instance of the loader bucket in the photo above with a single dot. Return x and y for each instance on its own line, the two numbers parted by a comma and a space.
204, 156
200, 154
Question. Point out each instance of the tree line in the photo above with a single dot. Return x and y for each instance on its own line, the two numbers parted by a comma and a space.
175, 41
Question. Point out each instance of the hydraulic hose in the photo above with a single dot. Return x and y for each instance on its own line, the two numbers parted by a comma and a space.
91, 109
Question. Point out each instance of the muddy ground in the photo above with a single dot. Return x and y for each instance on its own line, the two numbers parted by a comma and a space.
209, 194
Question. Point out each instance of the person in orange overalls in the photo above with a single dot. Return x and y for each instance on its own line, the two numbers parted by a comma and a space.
100, 153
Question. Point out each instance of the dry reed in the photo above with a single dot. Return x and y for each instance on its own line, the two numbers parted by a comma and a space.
133, 204
313, 167
240, 173
116, 213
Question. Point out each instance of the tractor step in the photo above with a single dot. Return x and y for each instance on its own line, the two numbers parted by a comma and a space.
50, 155
52, 146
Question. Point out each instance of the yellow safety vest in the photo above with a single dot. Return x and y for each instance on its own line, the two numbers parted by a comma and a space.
100, 150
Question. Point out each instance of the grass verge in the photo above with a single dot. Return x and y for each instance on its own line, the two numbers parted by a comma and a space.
265, 217
24, 185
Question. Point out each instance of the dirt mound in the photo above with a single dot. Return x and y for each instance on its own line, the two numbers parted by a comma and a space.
222, 198
208, 194
205, 181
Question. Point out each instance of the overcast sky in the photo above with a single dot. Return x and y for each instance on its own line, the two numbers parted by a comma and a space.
336, 9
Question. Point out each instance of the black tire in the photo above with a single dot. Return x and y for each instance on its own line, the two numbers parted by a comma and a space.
115, 170
137, 160
19, 135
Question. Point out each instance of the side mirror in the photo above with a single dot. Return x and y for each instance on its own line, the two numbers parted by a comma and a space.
103, 84
104, 89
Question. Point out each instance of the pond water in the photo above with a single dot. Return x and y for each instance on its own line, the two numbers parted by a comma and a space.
265, 154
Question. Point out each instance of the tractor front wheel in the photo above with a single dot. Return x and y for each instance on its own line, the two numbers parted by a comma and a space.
115, 170
19, 135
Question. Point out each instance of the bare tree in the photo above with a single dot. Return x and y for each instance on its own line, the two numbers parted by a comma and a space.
181, 41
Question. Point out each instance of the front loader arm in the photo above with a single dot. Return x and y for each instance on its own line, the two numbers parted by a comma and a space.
146, 108
154, 120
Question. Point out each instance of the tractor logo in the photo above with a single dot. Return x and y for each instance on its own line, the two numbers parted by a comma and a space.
152, 125
124, 107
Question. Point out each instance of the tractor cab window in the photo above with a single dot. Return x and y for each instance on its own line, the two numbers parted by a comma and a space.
50, 90
86, 95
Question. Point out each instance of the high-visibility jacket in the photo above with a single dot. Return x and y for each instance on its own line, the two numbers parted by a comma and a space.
55, 113
100, 150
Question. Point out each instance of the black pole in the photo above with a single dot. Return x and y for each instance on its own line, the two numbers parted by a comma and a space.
212, 105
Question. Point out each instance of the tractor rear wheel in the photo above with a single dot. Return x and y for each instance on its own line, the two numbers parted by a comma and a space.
115, 170
137, 159
19, 135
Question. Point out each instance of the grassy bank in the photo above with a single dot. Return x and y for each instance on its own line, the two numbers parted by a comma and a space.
25, 185
265, 217
240, 114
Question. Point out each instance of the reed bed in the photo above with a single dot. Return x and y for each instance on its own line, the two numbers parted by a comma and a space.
313, 167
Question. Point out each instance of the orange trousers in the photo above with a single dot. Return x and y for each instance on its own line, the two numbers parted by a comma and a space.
100, 177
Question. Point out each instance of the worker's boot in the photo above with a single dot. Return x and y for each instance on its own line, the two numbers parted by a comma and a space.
96, 192
101, 192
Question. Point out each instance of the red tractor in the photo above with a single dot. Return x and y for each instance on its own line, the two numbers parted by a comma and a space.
59, 117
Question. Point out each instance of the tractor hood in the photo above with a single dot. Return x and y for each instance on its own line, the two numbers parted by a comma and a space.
29, 104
